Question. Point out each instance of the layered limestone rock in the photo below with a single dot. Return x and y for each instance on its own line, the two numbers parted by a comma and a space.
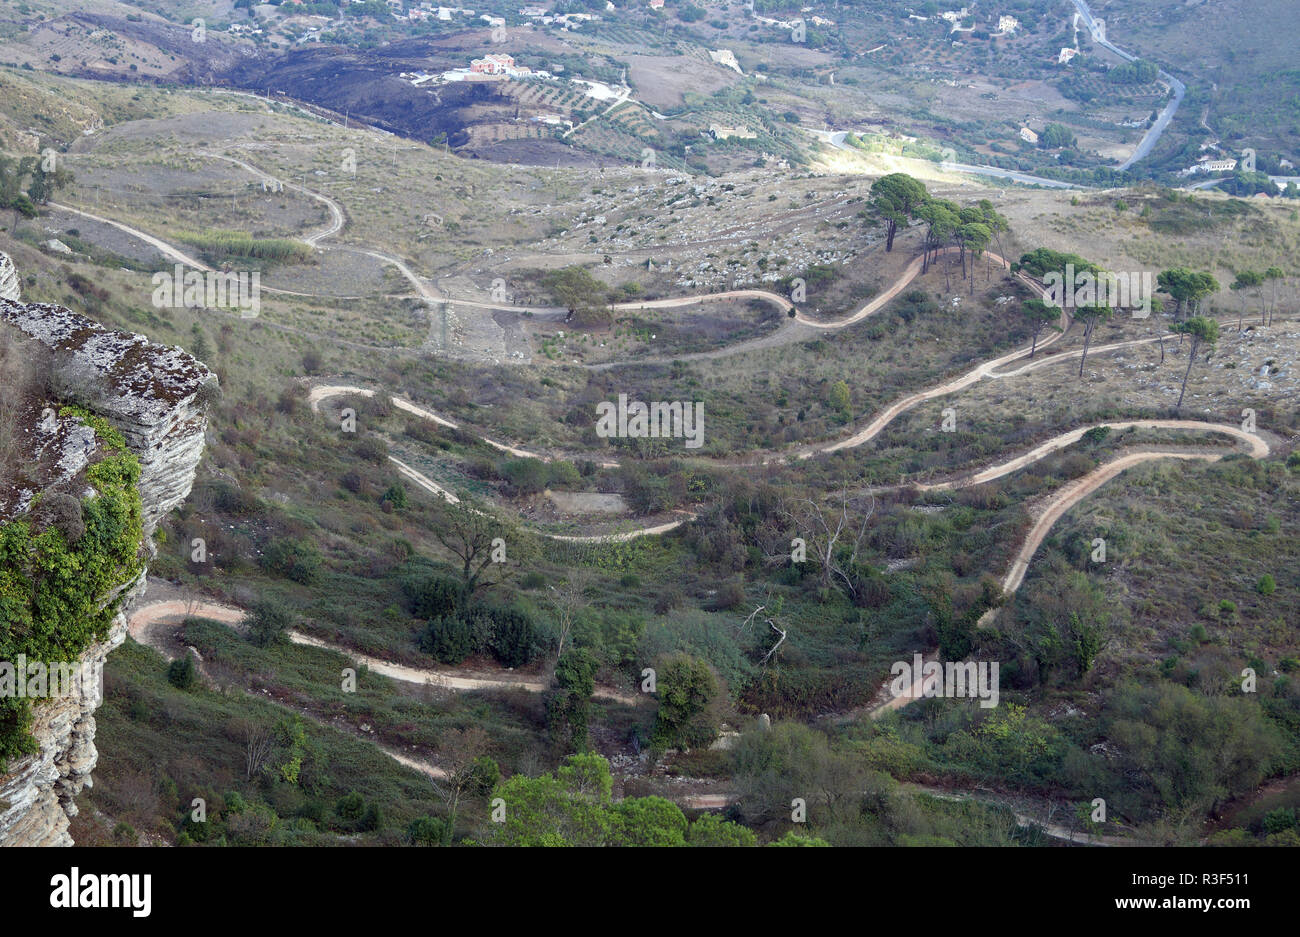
37, 795
8, 278
155, 396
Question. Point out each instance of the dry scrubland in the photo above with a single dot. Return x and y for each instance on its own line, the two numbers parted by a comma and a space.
276, 473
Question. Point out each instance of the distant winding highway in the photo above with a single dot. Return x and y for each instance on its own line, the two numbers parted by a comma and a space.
836, 138
1166, 116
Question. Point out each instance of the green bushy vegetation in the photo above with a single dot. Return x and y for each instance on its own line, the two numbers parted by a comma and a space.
219, 247
53, 581
574, 807
1095, 660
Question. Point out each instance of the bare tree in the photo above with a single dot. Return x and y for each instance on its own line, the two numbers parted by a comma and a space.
772, 538
752, 615
772, 606
258, 744
834, 532
779, 641
459, 754
567, 600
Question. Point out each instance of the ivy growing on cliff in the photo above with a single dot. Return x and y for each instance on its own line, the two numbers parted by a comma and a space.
53, 588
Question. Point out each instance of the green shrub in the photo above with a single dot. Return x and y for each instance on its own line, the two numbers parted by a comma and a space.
449, 639
294, 559
52, 591
1266, 585
687, 690
435, 597
350, 806
485, 774
711, 830
181, 672
569, 701
526, 476
792, 838
232, 500
1283, 818
564, 474
217, 246
514, 637
372, 819
426, 831
266, 622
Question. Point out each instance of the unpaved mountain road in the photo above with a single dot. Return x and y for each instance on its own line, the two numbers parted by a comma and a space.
1259, 447
325, 392
1070, 495
799, 327
335, 209
167, 250
1063, 501
790, 328
148, 625
143, 624
1052, 510
1051, 830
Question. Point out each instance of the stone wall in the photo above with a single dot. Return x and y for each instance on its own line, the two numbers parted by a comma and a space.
154, 395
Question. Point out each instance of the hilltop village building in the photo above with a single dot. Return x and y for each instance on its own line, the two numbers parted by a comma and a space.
496, 64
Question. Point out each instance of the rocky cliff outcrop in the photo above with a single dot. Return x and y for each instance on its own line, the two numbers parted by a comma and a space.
155, 397
8, 279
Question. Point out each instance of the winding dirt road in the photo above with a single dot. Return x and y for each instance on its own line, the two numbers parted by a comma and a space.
1050, 830
318, 394
1055, 508
335, 209
1051, 511
145, 622
1259, 447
